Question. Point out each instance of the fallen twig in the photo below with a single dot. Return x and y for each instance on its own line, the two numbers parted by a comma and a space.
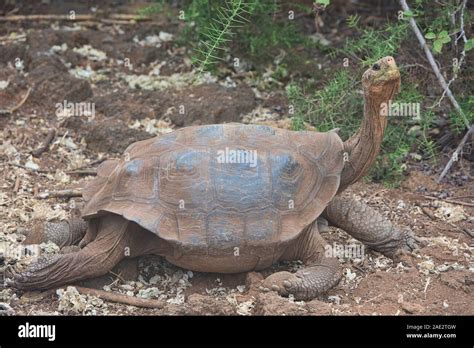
17, 184
83, 172
13, 38
376, 194
414, 65
452, 201
38, 171
76, 17
463, 230
60, 194
469, 233
49, 138
120, 298
93, 163
16, 107
426, 286
463, 197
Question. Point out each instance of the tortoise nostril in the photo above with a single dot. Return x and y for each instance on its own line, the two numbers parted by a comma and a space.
376, 66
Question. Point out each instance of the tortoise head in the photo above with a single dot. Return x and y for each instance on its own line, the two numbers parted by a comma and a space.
382, 80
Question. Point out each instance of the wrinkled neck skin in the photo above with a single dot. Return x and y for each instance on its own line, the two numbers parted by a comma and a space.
363, 147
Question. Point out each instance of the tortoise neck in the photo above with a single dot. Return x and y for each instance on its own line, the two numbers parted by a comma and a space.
363, 147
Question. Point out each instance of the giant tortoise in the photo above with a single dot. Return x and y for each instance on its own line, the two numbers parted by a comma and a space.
231, 198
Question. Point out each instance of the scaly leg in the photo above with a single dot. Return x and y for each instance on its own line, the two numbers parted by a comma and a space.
97, 258
369, 226
320, 274
63, 233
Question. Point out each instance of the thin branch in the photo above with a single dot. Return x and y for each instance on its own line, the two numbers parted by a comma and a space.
37, 171
45, 146
455, 155
432, 62
77, 17
449, 200
414, 65
120, 298
60, 194
463, 53
82, 172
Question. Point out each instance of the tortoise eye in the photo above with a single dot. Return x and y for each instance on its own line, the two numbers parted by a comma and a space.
376, 66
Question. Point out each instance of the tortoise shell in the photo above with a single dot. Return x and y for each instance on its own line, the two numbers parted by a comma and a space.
210, 189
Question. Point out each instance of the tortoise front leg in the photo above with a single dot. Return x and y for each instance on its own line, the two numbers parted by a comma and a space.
95, 259
320, 274
369, 226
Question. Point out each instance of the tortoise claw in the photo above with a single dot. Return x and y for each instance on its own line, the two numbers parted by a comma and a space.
279, 282
410, 241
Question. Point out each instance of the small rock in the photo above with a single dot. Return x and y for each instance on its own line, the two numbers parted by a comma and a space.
245, 308
71, 301
30, 164
6, 310
426, 266
5, 295
401, 205
155, 280
164, 36
412, 308
149, 293
127, 287
319, 38
350, 275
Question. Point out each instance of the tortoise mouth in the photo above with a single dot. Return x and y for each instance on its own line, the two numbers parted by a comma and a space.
390, 74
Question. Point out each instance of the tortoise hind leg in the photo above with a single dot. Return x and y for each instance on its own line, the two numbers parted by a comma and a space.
63, 233
96, 259
320, 274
